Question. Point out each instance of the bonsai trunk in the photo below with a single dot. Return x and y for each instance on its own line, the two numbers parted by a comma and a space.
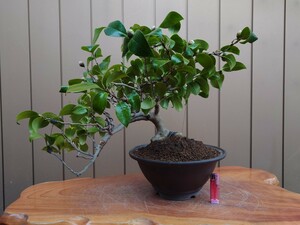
161, 131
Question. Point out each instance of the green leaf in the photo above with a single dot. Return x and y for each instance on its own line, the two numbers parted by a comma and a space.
171, 20
53, 119
100, 102
199, 44
179, 43
205, 60
244, 34
134, 101
64, 89
100, 121
139, 46
50, 139
176, 101
84, 147
82, 139
34, 136
50, 115
181, 81
98, 53
90, 48
217, 80
124, 47
195, 88
92, 130
96, 70
164, 103
174, 29
113, 74
156, 32
67, 110
230, 59
26, 114
115, 29
104, 64
231, 48
39, 123
251, 38
59, 141
79, 110
148, 103
238, 66
70, 132
74, 81
177, 58
82, 87
97, 33
123, 113
204, 87
157, 63
89, 60
160, 89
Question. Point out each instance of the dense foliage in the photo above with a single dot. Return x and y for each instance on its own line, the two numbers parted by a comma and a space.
161, 69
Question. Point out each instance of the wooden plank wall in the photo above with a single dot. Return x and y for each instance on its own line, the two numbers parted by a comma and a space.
255, 117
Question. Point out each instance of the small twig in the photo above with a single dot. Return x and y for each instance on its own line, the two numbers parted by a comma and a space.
76, 147
126, 85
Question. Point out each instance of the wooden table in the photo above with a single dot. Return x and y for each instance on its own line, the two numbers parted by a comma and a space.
247, 196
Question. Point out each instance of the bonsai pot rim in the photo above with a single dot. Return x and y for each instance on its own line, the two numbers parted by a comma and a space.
221, 156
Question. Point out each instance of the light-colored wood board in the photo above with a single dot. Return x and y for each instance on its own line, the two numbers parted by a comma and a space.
292, 93
247, 196
15, 93
203, 113
45, 73
111, 159
139, 132
235, 99
175, 121
267, 86
75, 32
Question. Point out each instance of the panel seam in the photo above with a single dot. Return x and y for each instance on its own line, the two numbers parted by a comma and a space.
283, 93
2, 146
30, 85
61, 73
251, 90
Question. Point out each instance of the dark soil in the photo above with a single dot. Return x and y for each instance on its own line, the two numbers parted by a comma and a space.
176, 149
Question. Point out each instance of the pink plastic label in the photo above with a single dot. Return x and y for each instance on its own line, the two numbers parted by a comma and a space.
214, 188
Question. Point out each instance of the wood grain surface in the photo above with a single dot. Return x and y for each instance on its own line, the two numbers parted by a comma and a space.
247, 196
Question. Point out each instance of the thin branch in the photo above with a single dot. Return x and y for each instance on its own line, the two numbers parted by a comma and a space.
76, 147
126, 85
154, 118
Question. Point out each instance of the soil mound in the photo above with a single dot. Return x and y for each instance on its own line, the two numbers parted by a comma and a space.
176, 149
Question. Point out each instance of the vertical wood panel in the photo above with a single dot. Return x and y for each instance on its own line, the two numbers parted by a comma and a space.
140, 132
45, 73
203, 113
111, 159
75, 32
235, 94
292, 93
1, 149
267, 85
15, 81
175, 121
1, 146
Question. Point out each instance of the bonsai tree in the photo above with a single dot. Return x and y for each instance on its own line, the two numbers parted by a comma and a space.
162, 70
